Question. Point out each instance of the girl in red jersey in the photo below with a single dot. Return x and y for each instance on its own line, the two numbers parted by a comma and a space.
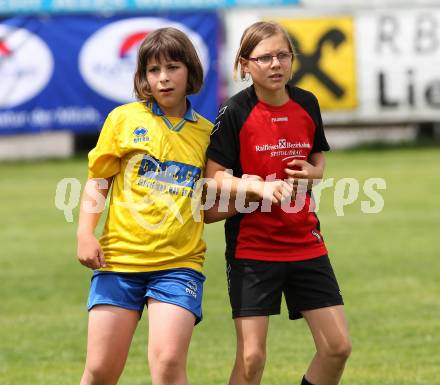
273, 131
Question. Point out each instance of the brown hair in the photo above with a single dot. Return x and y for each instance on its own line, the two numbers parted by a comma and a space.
253, 35
171, 44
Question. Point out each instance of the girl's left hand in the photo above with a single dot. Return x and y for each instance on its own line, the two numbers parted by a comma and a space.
301, 169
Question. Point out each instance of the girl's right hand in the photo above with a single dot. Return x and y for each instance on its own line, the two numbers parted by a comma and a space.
89, 252
276, 191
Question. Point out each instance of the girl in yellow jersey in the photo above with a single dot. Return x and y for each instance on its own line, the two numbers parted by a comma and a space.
151, 153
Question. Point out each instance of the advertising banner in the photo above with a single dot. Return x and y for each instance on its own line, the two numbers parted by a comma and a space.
69, 72
399, 64
325, 59
365, 66
57, 6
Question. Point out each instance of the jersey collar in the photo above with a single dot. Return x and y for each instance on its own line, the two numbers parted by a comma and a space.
190, 114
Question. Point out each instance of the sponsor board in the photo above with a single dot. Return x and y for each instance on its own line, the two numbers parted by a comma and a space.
325, 61
68, 72
398, 64
56, 6
107, 60
26, 65
383, 67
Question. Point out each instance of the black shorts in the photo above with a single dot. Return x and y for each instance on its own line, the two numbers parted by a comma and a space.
256, 287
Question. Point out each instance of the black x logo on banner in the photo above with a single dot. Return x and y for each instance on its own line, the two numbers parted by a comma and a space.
309, 63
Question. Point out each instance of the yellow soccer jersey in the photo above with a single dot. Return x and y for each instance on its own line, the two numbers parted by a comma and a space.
156, 161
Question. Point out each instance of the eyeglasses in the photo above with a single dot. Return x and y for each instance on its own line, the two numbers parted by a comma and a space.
282, 57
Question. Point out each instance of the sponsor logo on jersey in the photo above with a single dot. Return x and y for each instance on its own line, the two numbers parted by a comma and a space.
282, 144
107, 60
26, 66
280, 119
169, 172
141, 134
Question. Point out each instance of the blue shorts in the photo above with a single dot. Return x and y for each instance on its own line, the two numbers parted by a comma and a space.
182, 287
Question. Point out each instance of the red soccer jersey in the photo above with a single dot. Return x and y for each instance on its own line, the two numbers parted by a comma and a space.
252, 137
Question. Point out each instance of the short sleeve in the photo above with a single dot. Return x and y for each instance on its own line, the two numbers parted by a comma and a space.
104, 159
320, 141
224, 147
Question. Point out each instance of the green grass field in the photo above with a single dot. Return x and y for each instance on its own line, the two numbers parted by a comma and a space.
387, 264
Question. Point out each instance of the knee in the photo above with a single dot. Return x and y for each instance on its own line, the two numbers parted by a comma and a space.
166, 365
339, 350
98, 375
253, 363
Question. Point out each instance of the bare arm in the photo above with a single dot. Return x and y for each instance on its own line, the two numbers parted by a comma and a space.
214, 215
317, 159
216, 172
251, 188
92, 204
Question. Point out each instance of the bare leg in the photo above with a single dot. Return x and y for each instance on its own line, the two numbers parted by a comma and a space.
169, 335
330, 332
110, 332
251, 350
